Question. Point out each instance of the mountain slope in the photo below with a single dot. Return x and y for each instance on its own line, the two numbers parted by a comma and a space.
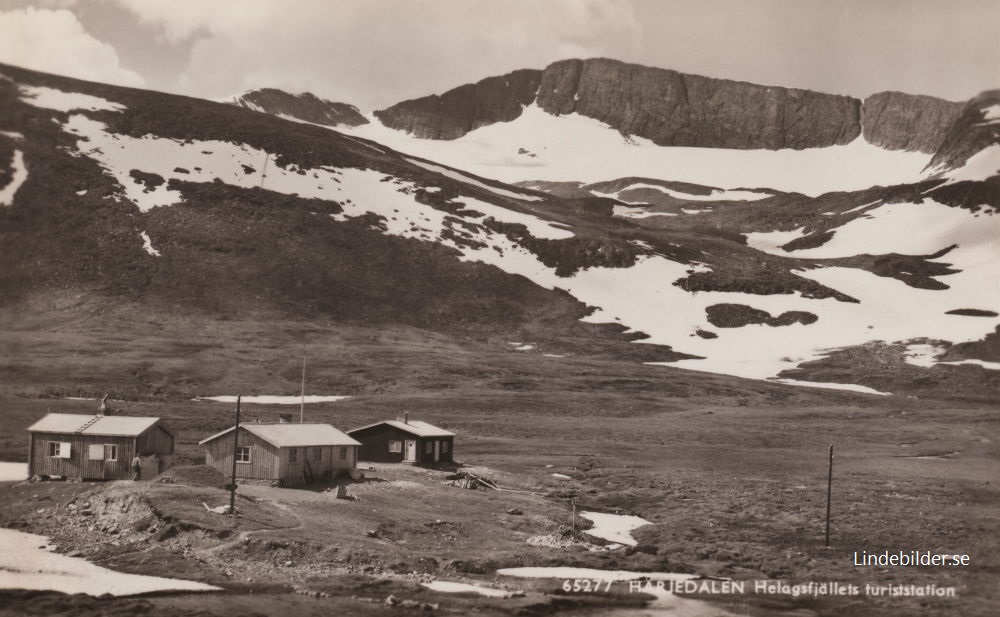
304, 107
189, 206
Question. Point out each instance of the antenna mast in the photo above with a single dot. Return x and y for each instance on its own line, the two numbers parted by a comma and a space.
302, 399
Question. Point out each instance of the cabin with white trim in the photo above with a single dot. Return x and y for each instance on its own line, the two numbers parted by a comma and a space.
101, 447
405, 441
285, 453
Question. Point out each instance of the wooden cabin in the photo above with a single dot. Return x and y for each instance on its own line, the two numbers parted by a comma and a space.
405, 441
290, 454
101, 447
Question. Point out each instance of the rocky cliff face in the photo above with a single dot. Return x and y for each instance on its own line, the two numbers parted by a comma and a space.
305, 107
975, 129
466, 108
674, 109
899, 121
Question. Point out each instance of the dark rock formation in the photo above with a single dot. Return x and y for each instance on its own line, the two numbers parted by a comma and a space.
739, 315
970, 134
674, 109
306, 107
899, 121
466, 108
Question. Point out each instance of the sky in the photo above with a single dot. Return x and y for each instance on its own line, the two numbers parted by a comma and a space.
373, 53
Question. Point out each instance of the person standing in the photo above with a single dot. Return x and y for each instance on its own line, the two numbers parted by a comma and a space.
136, 467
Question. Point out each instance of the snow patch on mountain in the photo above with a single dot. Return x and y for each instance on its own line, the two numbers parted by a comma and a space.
577, 148
981, 166
456, 175
147, 245
715, 195
50, 98
20, 176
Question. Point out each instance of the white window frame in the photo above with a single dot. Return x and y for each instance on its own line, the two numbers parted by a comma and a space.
395, 447
59, 449
243, 452
113, 450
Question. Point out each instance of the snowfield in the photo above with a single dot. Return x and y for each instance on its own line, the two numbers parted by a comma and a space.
577, 148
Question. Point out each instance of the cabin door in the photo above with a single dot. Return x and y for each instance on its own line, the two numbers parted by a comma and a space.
411, 451
437, 450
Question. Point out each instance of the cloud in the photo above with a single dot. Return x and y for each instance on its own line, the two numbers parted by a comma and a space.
375, 53
55, 41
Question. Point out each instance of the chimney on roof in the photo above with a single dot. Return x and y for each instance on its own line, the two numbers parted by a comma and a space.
406, 417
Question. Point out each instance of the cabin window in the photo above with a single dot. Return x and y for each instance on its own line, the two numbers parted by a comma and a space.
59, 449
317, 454
102, 452
243, 454
343, 454
293, 455
444, 447
428, 447
395, 446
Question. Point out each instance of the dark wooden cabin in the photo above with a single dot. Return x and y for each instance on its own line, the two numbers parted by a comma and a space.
405, 441
101, 447
290, 454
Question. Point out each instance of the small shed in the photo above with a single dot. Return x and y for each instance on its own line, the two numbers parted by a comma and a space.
288, 453
100, 447
405, 441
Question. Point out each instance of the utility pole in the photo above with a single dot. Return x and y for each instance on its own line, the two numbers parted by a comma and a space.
302, 399
236, 447
829, 495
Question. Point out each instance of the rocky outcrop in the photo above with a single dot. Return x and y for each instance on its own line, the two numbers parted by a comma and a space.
466, 108
976, 129
674, 109
305, 107
899, 121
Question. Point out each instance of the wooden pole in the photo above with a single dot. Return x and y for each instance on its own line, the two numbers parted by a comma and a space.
236, 441
829, 495
302, 399
574, 515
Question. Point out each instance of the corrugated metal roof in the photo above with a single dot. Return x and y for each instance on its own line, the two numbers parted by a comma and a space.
414, 427
127, 426
289, 435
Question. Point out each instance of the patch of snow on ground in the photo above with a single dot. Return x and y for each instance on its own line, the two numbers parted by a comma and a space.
991, 115
524, 348
993, 366
536, 226
981, 166
147, 245
922, 354
50, 98
590, 573
615, 528
455, 175
772, 241
13, 472
23, 565
572, 147
715, 195
561, 476
452, 587
637, 213
12, 135
861, 207
832, 386
270, 399
20, 177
